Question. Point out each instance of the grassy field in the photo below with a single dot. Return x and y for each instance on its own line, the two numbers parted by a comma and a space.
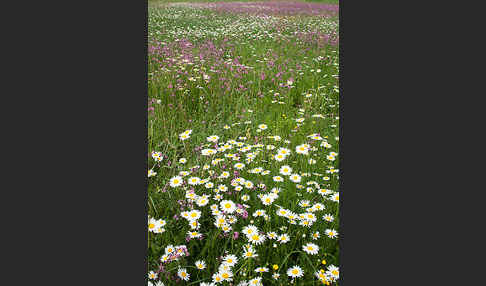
243, 134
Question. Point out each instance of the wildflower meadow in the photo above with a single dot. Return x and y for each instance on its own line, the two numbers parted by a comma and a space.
243, 140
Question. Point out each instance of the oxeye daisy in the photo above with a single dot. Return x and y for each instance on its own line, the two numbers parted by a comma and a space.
227, 275
169, 249
193, 181
202, 201
277, 179
311, 248
217, 278
250, 230
239, 166
200, 264
335, 198
284, 151
295, 178
284, 238
248, 185
262, 126
152, 275
285, 170
227, 206
279, 157
261, 269
256, 238
302, 149
176, 181
230, 260
255, 282
213, 138
267, 199
333, 271
295, 272
151, 173
194, 234
328, 218
282, 212
194, 215
331, 233
249, 253
258, 213
184, 136
272, 235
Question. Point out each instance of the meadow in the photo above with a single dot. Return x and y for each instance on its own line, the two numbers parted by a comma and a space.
243, 140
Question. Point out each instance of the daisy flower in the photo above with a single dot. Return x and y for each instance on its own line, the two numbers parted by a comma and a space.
267, 199
331, 233
249, 253
217, 278
311, 248
279, 157
182, 273
151, 173
284, 238
176, 181
328, 218
194, 215
258, 213
227, 206
255, 282
295, 272
261, 270
285, 170
250, 230
277, 179
239, 166
333, 271
272, 235
230, 260
194, 234
262, 126
169, 249
335, 198
184, 136
227, 275
213, 138
256, 238
200, 264
295, 178
193, 181
302, 149
152, 275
